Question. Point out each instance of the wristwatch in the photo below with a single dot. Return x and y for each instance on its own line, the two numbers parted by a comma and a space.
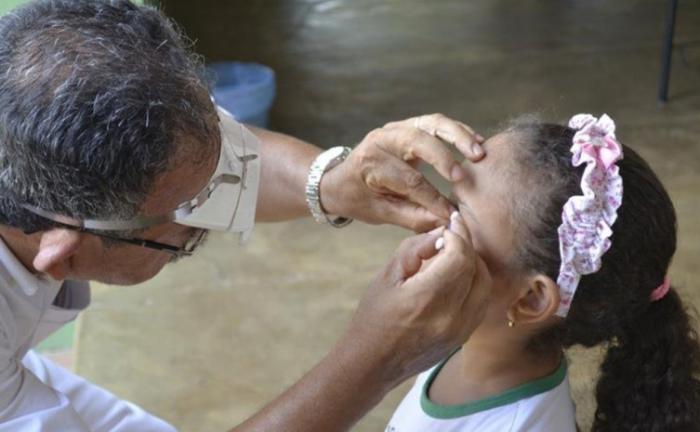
322, 164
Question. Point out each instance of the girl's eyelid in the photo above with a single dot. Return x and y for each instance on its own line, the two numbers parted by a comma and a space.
452, 199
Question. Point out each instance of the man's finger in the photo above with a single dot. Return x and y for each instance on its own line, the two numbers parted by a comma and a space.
414, 250
480, 139
401, 179
459, 227
451, 131
454, 262
456, 133
409, 144
411, 216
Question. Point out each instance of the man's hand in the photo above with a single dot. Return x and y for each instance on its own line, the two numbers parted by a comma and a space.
413, 315
380, 182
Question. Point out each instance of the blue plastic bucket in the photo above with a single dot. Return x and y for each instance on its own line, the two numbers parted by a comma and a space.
246, 90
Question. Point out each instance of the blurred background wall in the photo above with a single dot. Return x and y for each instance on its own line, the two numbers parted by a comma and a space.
346, 66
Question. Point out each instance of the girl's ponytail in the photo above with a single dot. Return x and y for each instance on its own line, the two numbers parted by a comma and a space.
648, 378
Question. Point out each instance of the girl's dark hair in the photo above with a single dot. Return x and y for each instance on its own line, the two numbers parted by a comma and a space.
648, 378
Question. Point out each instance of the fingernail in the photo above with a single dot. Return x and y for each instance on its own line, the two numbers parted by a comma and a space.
453, 217
477, 150
457, 173
439, 243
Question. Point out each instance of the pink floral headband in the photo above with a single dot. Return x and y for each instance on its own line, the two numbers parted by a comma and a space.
584, 235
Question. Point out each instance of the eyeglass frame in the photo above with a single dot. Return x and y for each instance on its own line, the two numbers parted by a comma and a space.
179, 252
98, 227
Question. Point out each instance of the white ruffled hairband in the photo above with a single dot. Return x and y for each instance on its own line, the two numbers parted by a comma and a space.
584, 234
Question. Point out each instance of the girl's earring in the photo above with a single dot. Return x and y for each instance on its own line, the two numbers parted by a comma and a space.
511, 323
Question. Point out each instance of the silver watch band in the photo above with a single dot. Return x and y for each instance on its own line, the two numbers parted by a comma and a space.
323, 163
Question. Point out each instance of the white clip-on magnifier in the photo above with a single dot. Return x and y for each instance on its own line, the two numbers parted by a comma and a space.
227, 202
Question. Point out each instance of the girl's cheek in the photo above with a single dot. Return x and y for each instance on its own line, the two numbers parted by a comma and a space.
475, 235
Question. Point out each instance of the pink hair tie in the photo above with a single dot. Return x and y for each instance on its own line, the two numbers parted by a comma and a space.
661, 290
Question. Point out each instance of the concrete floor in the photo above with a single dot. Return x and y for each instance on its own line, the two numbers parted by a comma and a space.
213, 338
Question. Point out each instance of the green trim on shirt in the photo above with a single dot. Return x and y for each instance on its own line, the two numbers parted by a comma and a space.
532, 388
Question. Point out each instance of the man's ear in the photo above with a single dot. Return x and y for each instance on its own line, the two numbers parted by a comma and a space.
539, 300
56, 248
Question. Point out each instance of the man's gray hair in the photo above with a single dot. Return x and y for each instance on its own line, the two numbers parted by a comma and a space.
97, 98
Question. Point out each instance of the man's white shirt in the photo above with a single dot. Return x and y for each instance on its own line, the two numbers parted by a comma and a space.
35, 394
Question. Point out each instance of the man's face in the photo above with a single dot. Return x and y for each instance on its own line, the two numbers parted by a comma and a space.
124, 264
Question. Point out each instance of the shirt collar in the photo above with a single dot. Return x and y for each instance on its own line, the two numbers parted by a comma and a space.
27, 281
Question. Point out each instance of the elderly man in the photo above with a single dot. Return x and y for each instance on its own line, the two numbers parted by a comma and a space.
114, 161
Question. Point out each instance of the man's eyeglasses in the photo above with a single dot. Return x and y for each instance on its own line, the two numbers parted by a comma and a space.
195, 240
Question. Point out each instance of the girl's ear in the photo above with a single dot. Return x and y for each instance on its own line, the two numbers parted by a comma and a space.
56, 248
539, 300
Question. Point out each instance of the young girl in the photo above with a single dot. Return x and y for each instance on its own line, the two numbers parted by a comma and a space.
578, 239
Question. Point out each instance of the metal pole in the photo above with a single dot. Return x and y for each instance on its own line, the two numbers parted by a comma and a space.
667, 50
